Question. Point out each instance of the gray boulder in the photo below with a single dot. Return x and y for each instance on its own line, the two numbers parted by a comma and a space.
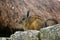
26, 35
50, 33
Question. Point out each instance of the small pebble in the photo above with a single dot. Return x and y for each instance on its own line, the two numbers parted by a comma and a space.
12, 7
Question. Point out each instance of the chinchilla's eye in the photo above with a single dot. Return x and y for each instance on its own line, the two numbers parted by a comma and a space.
23, 18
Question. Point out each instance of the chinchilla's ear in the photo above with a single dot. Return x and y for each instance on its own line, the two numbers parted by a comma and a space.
27, 14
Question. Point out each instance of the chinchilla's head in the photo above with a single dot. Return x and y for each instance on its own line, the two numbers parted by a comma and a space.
24, 19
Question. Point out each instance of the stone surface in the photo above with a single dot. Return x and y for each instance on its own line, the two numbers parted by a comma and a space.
50, 33
26, 35
4, 38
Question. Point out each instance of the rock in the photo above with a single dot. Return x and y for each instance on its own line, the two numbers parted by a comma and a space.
26, 35
5, 38
50, 33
